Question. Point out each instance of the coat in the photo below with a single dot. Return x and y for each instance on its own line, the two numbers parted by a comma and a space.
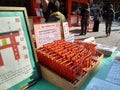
58, 17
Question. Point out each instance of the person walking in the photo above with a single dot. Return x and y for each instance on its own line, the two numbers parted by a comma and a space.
63, 9
85, 13
97, 20
56, 15
109, 17
46, 11
78, 11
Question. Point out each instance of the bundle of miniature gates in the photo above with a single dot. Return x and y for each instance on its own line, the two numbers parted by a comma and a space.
68, 59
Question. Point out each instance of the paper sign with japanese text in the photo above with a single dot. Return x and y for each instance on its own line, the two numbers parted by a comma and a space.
65, 29
46, 33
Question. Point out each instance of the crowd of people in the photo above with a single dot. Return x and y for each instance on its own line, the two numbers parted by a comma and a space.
53, 13
107, 14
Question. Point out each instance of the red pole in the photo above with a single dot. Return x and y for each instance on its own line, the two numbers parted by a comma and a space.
69, 6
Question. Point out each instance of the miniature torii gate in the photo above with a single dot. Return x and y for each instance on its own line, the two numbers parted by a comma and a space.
13, 44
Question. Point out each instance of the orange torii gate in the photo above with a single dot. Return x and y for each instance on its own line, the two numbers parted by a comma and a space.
13, 44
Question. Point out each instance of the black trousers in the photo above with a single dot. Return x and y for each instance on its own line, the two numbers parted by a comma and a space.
84, 24
96, 26
108, 24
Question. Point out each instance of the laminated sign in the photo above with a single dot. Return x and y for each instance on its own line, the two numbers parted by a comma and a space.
17, 60
46, 33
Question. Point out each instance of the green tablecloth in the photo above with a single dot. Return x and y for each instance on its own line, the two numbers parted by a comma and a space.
102, 70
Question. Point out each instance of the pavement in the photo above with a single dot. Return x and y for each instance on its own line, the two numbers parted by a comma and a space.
100, 36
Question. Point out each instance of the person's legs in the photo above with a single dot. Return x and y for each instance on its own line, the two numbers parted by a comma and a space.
82, 27
85, 29
118, 20
106, 24
94, 27
109, 29
98, 25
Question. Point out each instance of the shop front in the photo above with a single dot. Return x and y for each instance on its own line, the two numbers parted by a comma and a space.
73, 16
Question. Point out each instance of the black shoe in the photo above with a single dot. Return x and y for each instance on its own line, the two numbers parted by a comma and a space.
95, 31
106, 35
81, 33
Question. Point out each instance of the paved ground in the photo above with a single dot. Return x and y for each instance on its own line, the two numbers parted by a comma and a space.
113, 40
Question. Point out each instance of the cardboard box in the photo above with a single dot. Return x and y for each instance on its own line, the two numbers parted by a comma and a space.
106, 49
56, 79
